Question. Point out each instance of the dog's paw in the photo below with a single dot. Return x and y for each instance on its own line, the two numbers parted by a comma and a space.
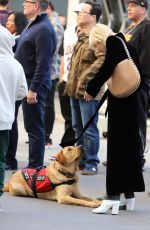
98, 202
95, 204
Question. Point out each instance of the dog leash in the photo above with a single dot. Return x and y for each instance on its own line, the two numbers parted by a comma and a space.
73, 141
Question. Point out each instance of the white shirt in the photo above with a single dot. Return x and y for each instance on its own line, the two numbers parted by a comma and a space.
13, 84
70, 40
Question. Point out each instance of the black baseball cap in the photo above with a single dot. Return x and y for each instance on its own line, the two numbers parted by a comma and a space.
143, 3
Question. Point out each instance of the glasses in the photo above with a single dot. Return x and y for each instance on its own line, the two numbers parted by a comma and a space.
83, 12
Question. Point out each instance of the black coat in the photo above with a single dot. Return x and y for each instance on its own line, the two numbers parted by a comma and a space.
125, 138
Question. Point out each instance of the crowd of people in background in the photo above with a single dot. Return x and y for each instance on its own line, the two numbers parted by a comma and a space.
77, 61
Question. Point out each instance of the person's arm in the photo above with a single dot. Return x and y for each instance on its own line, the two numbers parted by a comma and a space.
61, 52
45, 46
61, 68
22, 85
144, 52
115, 53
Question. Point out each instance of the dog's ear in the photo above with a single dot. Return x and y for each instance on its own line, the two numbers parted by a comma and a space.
60, 157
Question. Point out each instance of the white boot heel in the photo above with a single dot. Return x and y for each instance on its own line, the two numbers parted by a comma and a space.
130, 204
115, 208
106, 205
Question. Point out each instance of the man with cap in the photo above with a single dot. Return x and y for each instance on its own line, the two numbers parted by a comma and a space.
137, 35
35, 50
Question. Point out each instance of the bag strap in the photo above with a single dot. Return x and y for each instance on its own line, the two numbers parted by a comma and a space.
129, 56
125, 47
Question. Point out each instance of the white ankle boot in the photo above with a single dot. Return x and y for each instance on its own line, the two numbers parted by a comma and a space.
106, 205
128, 203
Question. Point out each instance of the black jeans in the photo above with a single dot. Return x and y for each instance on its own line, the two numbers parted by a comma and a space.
13, 140
49, 117
34, 125
69, 133
4, 136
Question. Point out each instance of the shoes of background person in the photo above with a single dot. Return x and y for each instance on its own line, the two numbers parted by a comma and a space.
48, 144
10, 167
90, 170
104, 163
81, 166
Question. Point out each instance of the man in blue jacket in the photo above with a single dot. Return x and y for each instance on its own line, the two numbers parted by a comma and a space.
35, 50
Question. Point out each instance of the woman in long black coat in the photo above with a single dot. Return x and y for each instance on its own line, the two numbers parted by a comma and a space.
125, 138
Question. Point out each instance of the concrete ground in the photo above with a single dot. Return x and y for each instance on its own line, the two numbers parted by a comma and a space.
29, 213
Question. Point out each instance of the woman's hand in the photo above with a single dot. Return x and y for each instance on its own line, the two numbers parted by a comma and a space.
87, 97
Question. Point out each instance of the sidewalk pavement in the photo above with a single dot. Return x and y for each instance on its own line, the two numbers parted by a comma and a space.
29, 213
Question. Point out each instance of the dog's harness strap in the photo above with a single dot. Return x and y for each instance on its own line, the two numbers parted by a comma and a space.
67, 174
33, 180
69, 182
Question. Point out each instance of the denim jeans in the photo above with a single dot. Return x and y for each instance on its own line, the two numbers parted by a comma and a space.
34, 125
82, 111
4, 140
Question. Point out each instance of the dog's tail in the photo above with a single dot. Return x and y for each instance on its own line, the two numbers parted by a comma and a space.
6, 187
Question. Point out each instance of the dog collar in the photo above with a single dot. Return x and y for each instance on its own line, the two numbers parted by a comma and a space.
67, 174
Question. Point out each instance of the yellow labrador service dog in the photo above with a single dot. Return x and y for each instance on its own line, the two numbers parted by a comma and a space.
59, 180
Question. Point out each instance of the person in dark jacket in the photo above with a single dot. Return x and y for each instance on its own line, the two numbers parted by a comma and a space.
137, 35
124, 141
35, 50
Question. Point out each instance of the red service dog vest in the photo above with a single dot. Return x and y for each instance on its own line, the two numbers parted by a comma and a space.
42, 182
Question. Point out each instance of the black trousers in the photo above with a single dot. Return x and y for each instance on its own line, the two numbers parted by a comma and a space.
13, 140
66, 113
4, 137
49, 116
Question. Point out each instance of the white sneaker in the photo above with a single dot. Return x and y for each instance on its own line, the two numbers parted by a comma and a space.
48, 146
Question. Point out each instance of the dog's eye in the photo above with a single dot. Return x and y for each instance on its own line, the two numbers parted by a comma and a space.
69, 149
